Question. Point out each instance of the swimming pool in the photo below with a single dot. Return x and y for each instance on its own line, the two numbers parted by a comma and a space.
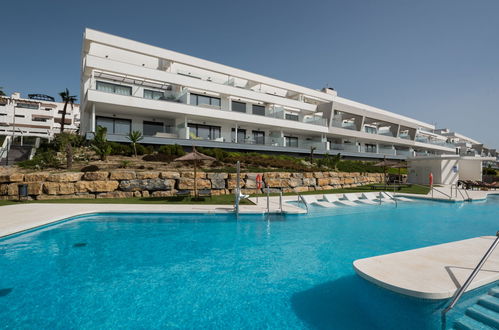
216, 271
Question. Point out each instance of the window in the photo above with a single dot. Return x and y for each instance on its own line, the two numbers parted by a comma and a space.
238, 106
241, 135
370, 129
258, 110
40, 119
291, 116
113, 88
20, 116
27, 105
154, 95
369, 147
291, 141
115, 125
259, 137
152, 127
205, 100
204, 132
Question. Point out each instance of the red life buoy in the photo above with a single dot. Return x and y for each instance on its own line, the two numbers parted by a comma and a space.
431, 179
259, 181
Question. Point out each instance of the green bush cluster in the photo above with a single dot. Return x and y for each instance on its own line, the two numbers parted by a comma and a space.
42, 160
489, 171
171, 150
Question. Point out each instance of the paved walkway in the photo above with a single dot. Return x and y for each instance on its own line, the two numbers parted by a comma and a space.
16, 218
433, 272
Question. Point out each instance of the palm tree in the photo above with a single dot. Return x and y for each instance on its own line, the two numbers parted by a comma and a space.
67, 99
134, 137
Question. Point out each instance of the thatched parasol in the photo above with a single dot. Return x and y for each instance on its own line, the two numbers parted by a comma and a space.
399, 166
194, 156
385, 163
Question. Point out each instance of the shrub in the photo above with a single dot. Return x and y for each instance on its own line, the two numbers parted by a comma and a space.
489, 171
124, 163
159, 157
172, 149
44, 159
120, 149
90, 168
100, 144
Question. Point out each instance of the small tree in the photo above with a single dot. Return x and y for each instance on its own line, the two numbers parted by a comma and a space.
64, 142
67, 99
134, 137
2, 93
100, 144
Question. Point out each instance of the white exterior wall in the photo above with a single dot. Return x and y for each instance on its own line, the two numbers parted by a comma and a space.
126, 62
470, 170
445, 169
25, 119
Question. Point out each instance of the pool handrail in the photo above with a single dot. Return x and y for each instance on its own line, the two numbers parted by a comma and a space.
301, 199
472, 276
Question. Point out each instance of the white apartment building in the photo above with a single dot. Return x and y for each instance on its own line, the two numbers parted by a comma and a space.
38, 115
176, 98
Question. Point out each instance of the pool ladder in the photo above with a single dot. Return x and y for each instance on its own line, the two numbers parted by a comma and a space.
472, 276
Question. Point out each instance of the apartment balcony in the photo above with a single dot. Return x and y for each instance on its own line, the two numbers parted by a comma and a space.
386, 151
344, 147
272, 112
345, 125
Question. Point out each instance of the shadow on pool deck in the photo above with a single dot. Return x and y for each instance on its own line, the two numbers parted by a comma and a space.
350, 302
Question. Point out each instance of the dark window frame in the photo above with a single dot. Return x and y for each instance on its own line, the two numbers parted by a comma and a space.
152, 123
238, 104
99, 82
212, 129
153, 92
114, 123
207, 96
291, 138
259, 108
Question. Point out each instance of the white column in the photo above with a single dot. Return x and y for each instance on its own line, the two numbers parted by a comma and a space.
186, 129
235, 136
283, 139
92, 118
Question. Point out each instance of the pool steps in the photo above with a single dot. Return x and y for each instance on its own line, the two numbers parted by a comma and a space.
484, 314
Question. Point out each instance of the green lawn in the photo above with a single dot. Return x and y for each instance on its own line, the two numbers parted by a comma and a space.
409, 190
218, 200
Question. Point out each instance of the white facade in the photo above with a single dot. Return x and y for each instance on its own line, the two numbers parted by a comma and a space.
35, 117
446, 169
176, 98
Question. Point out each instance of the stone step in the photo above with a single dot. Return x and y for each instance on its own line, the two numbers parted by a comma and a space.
467, 323
484, 315
494, 292
490, 302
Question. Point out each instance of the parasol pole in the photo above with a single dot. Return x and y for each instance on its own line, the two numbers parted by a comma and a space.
195, 179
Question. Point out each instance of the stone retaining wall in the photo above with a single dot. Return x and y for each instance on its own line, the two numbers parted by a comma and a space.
129, 183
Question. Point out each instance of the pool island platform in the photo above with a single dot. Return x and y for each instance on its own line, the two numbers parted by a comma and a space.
434, 272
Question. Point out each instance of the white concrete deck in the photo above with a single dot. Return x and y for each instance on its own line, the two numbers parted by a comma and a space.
16, 218
433, 272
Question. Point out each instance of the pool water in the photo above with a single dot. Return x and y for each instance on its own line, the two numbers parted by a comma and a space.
107, 271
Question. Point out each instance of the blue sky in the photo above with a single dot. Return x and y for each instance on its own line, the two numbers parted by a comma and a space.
436, 61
